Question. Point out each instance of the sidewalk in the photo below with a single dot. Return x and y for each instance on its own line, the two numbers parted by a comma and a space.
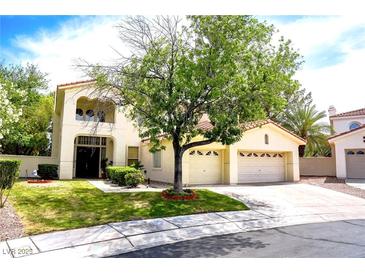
117, 238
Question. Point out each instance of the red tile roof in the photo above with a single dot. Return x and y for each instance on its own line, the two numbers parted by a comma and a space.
346, 132
75, 83
207, 125
355, 112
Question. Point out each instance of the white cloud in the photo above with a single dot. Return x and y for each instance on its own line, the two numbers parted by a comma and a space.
340, 84
89, 38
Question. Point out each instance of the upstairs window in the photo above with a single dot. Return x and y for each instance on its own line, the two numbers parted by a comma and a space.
100, 116
354, 125
266, 139
89, 115
79, 114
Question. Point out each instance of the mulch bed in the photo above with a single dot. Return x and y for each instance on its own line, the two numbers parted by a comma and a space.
334, 184
11, 226
39, 181
188, 197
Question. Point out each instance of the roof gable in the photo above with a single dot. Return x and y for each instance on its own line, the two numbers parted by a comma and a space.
346, 133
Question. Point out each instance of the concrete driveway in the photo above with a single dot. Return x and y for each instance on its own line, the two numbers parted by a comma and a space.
285, 199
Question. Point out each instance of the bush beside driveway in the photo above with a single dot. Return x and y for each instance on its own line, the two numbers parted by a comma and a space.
74, 204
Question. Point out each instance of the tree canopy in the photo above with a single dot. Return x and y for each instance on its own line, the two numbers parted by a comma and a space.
29, 133
227, 67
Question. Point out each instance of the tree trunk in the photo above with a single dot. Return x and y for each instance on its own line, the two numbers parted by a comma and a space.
178, 153
301, 150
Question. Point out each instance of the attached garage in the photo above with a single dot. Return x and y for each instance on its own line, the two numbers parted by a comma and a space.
260, 167
205, 167
355, 163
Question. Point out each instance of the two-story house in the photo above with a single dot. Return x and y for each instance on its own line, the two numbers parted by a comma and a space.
88, 129
348, 142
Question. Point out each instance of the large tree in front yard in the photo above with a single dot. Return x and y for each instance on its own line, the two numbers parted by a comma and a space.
228, 67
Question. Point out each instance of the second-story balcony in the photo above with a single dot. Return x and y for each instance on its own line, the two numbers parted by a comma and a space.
94, 111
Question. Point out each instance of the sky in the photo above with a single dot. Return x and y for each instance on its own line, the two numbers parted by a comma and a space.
333, 50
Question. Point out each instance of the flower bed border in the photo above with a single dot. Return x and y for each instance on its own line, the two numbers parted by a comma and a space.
37, 181
189, 197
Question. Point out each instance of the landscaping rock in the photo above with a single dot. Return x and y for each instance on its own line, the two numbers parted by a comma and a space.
11, 226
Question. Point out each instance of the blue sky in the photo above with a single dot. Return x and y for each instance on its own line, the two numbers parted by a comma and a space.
333, 48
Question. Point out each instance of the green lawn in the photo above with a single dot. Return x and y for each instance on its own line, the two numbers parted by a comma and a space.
74, 204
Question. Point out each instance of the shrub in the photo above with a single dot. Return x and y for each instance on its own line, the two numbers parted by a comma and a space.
117, 173
47, 171
134, 179
9, 171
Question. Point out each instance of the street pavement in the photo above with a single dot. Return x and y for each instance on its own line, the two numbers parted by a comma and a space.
341, 239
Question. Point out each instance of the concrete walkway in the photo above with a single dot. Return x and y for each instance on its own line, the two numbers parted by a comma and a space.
271, 206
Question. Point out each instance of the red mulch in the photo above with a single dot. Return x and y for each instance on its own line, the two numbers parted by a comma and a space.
39, 181
188, 197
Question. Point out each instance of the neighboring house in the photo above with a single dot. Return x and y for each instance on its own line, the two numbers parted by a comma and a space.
348, 142
88, 129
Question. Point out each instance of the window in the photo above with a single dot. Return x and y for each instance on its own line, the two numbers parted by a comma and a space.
89, 115
350, 152
192, 152
354, 125
266, 139
156, 159
79, 114
360, 152
132, 155
100, 116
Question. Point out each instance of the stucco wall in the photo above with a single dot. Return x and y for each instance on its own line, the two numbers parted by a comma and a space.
253, 140
29, 163
350, 141
122, 131
343, 124
317, 166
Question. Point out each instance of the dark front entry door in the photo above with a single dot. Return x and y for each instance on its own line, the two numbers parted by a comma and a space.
87, 162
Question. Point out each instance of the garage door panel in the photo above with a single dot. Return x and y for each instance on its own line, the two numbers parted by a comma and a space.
268, 167
205, 167
355, 163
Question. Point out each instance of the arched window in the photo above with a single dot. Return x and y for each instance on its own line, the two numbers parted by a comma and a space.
89, 115
360, 152
266, 139
100, 116
354, 125
79, 114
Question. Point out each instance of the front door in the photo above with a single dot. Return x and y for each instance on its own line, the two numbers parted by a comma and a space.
87, 162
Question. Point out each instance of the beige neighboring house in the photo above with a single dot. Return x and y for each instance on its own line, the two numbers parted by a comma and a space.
348, 142
88, 129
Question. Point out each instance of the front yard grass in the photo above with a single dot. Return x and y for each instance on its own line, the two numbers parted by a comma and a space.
75, 204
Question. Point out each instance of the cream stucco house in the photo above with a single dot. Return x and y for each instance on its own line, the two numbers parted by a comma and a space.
88, 129
348, 142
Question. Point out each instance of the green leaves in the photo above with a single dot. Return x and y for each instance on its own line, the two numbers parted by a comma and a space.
26, 113
229, 67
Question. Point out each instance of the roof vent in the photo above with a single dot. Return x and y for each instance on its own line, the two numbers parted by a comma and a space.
332, 110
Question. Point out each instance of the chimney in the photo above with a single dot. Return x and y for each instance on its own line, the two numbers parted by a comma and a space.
332, 110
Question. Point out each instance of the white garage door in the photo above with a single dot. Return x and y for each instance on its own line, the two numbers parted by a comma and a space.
205, 167
355, 163
260, 167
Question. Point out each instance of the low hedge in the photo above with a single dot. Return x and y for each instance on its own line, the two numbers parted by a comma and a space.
9, 171
48, 171
117, 173
134, 179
